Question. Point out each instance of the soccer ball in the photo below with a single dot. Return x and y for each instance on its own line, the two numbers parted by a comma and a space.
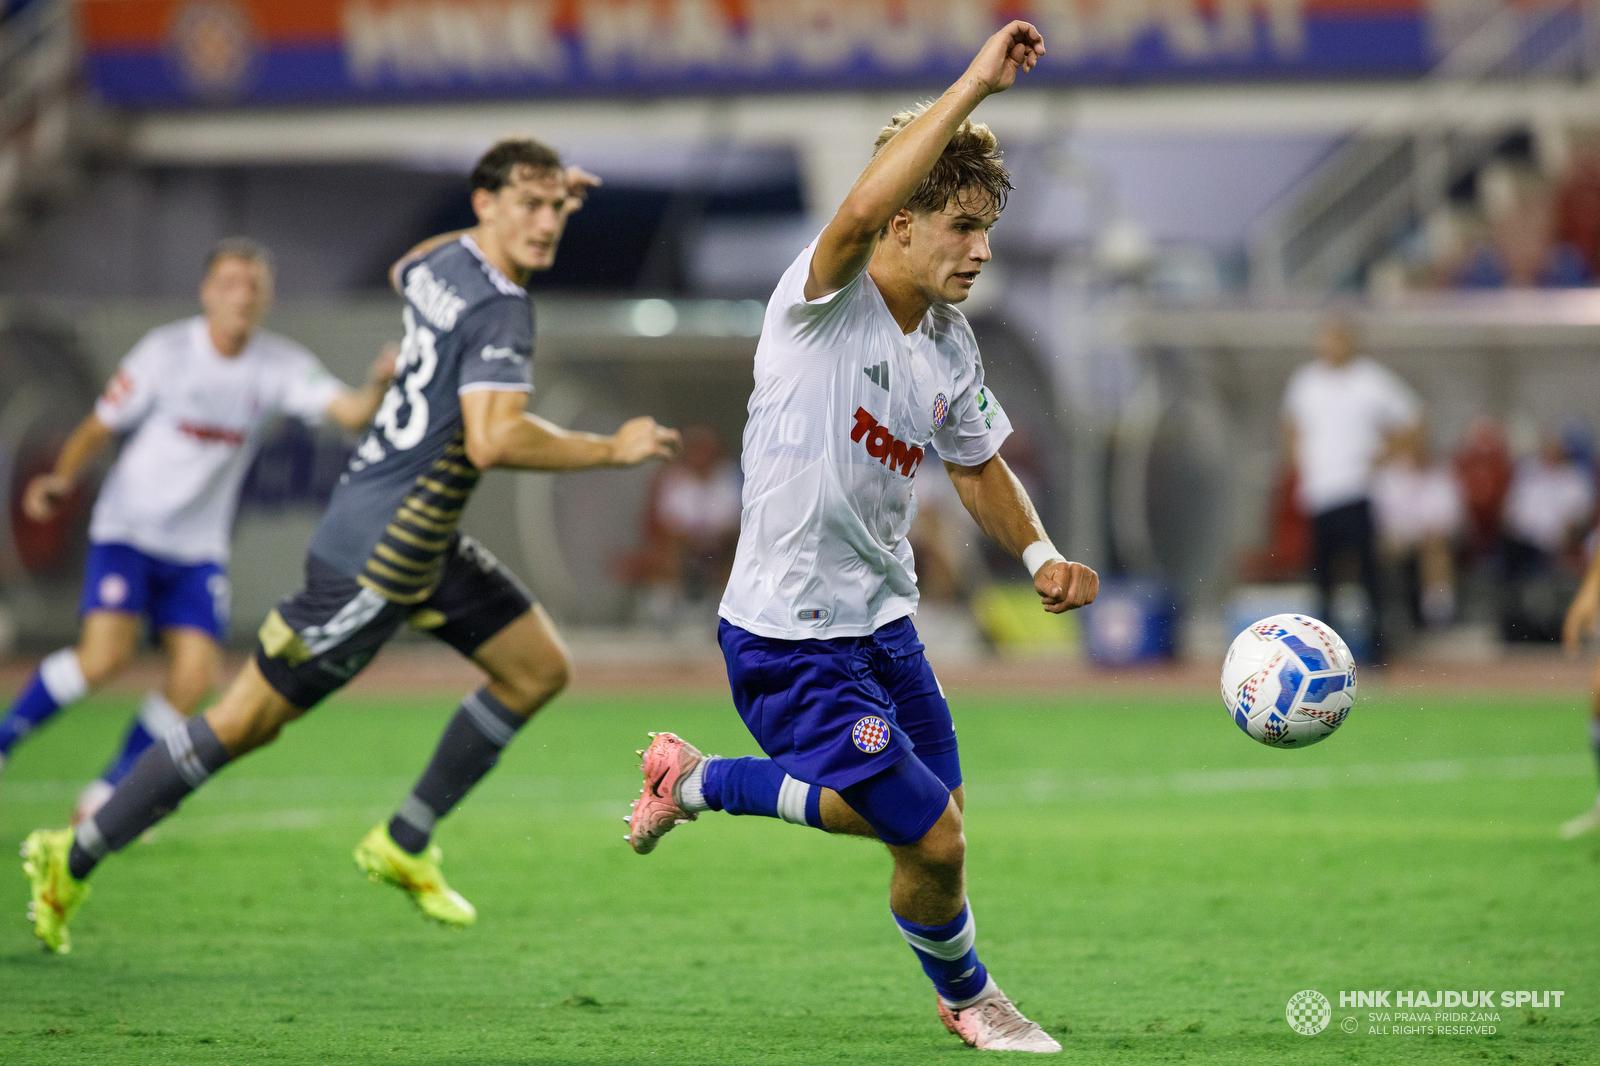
1288, 681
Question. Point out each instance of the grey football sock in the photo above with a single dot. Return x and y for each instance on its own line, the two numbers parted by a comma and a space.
469, 748
169, 770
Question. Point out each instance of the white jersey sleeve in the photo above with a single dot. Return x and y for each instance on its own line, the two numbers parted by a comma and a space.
130, 395
305, 388
817, 324
977, 425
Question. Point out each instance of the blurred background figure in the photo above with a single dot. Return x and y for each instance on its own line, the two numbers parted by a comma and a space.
1523, 223
1517, 245
1483, 470
1548, 507
691, 527
945, 540
1419, 512
1341, 414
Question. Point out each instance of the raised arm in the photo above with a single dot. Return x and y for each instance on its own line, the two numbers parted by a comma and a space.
46, 491
999, 504
354, 408
500, 432
895, 173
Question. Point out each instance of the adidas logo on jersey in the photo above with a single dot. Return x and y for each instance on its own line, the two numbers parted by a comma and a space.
878, 375
883, 446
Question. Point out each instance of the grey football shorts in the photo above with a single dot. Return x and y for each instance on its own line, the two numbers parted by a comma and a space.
318, 639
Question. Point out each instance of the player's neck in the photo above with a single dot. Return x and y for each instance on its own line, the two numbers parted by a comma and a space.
497, 256
228, 345
902, 295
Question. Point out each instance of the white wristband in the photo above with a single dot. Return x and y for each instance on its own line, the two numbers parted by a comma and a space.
1040, 554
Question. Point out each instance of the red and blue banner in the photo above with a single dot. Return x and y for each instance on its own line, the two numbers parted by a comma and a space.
188, 53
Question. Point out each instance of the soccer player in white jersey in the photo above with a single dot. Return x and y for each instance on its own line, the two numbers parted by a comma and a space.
192, 397
864, 362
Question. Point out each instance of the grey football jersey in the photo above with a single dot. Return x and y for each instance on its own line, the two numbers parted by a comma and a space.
468, 327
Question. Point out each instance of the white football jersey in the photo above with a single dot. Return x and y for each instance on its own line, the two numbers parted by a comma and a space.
844, 410
196, 418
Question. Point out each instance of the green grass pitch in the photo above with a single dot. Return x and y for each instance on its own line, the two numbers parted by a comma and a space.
1149, 884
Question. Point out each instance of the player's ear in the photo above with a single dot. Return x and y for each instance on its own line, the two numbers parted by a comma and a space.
482, 203
900, 227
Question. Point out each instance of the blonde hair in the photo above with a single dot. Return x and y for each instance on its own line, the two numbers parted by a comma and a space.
970, 162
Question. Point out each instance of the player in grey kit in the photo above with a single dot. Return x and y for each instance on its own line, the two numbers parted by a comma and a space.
387, 551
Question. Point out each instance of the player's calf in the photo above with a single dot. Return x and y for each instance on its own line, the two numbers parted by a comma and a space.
250, 714
161, 779
468, 749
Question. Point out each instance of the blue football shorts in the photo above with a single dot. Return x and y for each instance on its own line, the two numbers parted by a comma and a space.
863, 716
120, 577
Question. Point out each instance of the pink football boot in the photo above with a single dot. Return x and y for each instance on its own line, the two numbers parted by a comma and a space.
995, 1024
667, 761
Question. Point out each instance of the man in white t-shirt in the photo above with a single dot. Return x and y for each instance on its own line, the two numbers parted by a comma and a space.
864, 361
1340, 413
192, 398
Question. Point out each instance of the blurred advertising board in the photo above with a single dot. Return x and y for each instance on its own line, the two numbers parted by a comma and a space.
197, 53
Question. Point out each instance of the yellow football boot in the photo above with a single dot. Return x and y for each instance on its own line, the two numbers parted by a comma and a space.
56, 893
386, 862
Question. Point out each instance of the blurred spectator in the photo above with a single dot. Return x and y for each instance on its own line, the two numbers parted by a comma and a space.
1340, 412
691, 528
1548, 509
1550, 503
1521, 247
1419, 512
1578, 209
1518, 232
1483, 470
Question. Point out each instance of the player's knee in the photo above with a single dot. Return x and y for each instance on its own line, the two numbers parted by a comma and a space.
555, 672
944, 847
537, 681
185, 691
100, 664
245, 726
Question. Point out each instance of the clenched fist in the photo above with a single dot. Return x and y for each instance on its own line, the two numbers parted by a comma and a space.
1065, 586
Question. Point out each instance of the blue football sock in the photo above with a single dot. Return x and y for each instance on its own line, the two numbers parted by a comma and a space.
948, 957
156, 719
754, 786
58, 682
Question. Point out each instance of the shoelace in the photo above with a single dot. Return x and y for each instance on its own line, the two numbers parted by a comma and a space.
1005, 1019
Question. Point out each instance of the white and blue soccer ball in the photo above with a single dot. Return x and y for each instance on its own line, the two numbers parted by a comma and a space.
1289, 681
